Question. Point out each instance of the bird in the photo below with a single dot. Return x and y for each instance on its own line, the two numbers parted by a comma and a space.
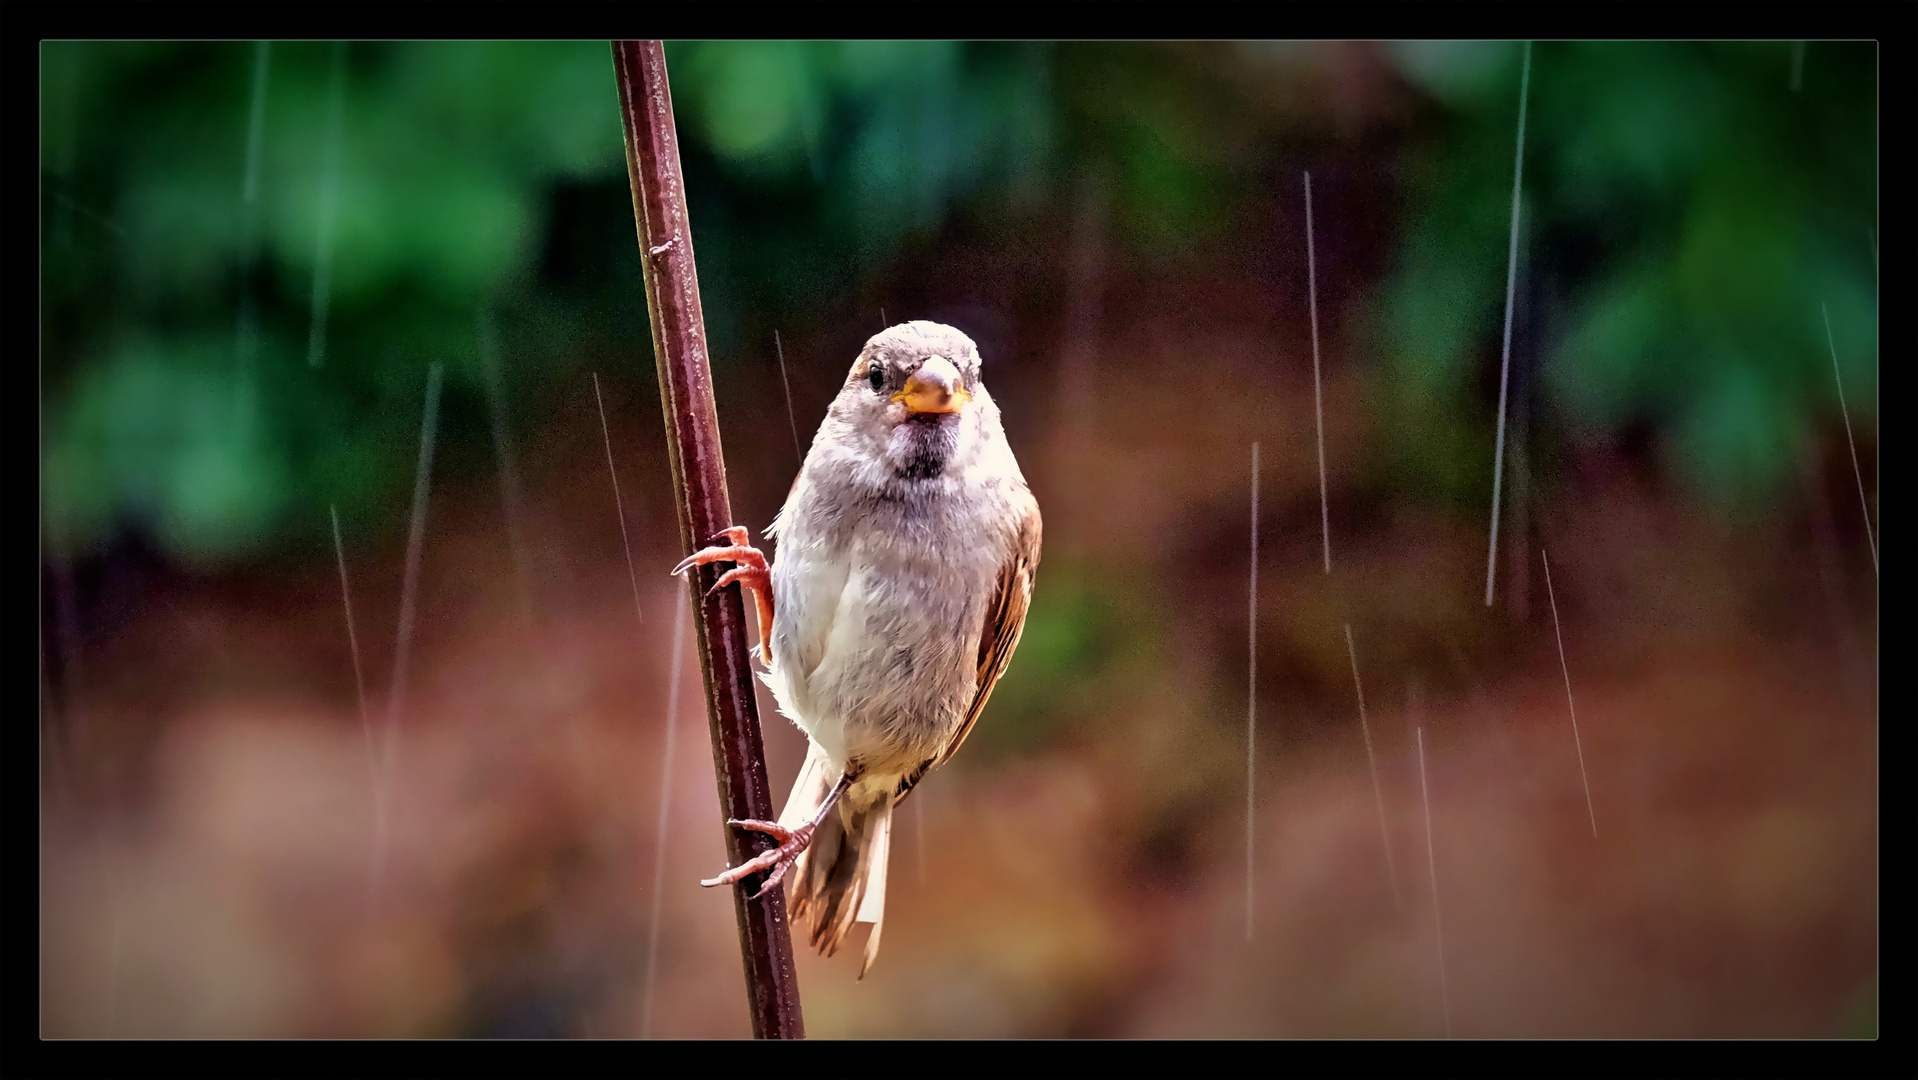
905, 558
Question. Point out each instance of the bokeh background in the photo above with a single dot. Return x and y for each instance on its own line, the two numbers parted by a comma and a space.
261, 820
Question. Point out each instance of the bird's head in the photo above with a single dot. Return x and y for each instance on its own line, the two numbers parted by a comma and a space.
912, 405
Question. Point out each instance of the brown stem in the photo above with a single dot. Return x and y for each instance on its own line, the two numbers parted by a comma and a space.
699, 473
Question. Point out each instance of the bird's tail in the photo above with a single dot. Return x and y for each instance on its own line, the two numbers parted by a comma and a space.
840, 879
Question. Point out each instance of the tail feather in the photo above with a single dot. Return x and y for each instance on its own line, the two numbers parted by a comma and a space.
872, 906
840, 879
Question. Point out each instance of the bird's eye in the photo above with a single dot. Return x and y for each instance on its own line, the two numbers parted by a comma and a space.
876, 375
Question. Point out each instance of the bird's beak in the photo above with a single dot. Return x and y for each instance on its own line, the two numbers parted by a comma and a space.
934, 388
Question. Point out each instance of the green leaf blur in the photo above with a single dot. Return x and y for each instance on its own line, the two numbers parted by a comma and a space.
1686, 212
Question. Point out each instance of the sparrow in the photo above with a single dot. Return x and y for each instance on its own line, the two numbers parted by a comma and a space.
905, 560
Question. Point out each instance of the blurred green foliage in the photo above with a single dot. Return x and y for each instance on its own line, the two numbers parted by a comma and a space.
1686, 211
818, 161
202, 201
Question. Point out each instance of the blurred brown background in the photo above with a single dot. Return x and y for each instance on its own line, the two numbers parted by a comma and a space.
210, 857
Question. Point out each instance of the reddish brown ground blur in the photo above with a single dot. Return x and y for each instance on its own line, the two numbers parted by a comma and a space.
1080, 869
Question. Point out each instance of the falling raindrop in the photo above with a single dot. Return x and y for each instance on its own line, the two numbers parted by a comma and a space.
409, 594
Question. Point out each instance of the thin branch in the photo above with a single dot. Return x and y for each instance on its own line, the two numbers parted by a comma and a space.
699, 477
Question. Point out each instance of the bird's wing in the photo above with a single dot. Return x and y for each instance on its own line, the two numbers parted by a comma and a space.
1005, 619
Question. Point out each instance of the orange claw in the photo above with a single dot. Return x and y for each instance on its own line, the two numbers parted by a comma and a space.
752, 573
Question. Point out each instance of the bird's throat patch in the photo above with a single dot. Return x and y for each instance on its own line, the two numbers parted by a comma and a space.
923, 443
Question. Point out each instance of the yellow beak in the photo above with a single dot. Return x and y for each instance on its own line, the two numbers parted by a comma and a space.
934, 388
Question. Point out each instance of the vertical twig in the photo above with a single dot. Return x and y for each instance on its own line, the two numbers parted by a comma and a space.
1505, 364
1372, 763
1863, 503
1431, 864
1252, 685
686, 399
1566, 668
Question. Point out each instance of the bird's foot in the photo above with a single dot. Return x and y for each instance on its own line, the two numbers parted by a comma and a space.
751, 571
778, 860
752, 561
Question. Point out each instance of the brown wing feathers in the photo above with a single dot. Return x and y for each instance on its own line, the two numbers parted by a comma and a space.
1005, 620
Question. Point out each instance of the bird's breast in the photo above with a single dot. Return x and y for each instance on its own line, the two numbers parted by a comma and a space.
880, 605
